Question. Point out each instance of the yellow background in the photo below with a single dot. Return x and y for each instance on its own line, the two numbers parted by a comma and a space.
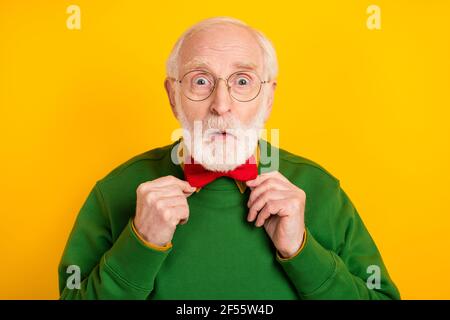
371, 106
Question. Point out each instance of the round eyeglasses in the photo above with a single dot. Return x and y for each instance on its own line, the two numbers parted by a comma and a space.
198, 85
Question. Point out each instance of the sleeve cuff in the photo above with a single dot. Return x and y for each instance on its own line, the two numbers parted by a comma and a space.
133, 261
311, 267
149, 244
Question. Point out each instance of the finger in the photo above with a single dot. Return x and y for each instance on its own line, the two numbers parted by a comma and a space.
264, 176
190, 191
171, 190
271, 208
170, 201
168, 181
268, 184
181, 214
151, 196
261, 201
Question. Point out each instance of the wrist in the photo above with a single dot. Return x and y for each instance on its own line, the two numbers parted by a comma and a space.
295, 250
145, 240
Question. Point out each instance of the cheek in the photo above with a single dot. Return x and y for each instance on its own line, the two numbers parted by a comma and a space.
247, 112
194, 110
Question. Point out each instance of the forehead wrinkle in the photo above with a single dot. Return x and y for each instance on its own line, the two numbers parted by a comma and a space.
240, 61
239, 51
201, 64
225, 47
205, 54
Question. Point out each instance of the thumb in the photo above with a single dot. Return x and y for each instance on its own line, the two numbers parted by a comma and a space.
188, 189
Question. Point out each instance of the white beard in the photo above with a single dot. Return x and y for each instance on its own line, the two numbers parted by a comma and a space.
202, 139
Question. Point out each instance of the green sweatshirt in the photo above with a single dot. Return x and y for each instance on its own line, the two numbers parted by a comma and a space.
218, 254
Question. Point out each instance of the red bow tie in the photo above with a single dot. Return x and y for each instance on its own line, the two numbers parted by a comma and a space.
198, 176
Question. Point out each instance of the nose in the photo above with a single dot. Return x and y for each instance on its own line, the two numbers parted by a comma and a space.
221, 101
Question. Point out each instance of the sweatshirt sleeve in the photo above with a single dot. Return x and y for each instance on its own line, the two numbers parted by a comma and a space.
353, 271
122, 269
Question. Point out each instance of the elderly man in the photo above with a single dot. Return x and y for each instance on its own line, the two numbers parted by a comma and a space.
220, 213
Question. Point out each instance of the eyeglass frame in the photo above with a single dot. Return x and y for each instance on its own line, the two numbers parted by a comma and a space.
216, 81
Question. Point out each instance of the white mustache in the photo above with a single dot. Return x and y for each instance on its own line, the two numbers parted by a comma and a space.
221, 124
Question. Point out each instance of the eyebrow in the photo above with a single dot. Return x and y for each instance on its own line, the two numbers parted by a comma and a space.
197, 64
245, 65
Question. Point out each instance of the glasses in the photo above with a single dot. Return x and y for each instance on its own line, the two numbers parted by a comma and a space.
198, 85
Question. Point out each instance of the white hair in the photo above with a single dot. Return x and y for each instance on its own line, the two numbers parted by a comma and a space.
270, 58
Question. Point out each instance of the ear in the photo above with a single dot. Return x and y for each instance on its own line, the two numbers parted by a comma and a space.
170, 90
270, 99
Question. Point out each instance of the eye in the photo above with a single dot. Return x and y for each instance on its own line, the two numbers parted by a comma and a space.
201, 81
242, 81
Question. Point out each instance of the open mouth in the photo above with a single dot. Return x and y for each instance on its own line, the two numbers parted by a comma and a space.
221, 134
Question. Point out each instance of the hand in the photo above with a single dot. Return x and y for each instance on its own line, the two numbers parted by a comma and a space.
280, 207
161, 205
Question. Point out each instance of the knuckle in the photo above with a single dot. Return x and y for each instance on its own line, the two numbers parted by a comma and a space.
299, 202
171, 178
302, 193
173, 223
265, 195
149, 198
166, 215
140, 188
258, 205
159, 205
